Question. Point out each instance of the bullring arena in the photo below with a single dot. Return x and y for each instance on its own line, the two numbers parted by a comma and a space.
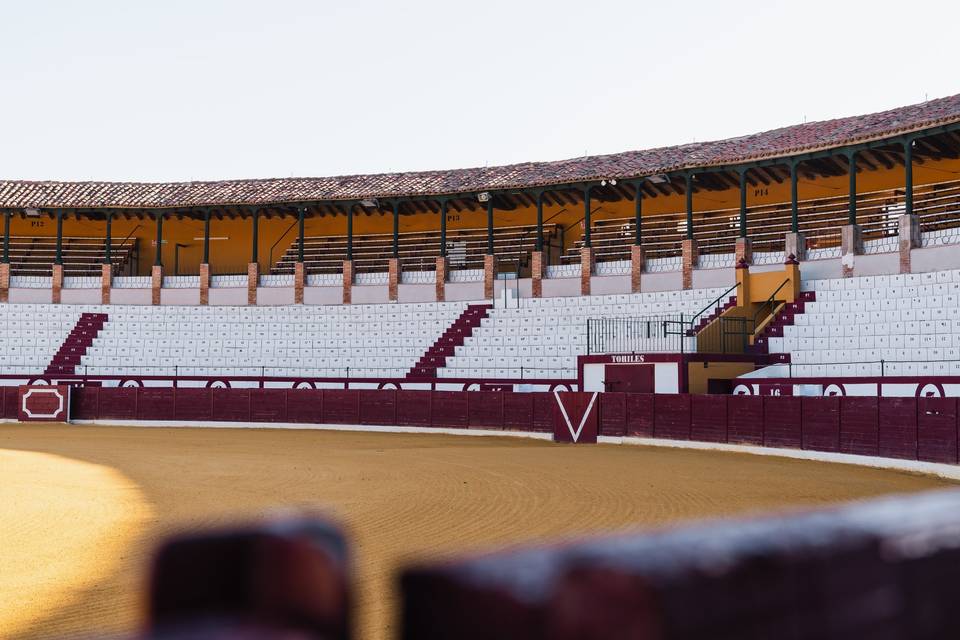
533, 356
403, 498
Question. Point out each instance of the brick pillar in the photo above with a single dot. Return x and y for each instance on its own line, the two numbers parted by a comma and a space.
795, 244
637, 259
347, 281
393, 279
253, 281
299, 278
5, 282
691, 257
909, 239
441, 278
156, 284
57, 282
536, 273
106, 282
586, 270
204, 284
489, 276
743, 283
743, 251
851, 245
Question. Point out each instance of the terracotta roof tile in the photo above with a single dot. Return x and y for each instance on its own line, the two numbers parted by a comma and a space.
769, 144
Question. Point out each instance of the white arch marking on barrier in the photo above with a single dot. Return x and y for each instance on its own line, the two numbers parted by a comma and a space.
31, 414
566, 418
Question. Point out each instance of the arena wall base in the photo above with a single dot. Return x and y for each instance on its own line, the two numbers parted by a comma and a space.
166, 424
947, 471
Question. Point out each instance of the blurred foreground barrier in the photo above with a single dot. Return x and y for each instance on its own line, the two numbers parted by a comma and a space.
886, 569
286, 578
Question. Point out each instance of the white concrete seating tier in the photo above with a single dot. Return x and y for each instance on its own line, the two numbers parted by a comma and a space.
909, 321
543, 338
379, 340
30, 335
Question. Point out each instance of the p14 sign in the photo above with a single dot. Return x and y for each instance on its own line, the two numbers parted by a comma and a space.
43, 403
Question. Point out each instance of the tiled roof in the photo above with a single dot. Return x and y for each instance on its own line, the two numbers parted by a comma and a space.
782, 142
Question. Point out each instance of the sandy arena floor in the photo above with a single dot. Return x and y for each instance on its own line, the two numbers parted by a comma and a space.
81, 507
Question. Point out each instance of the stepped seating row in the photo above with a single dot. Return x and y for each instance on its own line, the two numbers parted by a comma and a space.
372, 341
81, 256
417, 250
544, 341
909, 321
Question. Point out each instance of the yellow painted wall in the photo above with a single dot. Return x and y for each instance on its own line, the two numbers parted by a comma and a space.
232, 255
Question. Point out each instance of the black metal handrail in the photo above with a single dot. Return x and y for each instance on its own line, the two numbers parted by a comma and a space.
274, 245
716, 304
769, 302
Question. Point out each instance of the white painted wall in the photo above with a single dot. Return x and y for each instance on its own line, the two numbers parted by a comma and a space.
418, 292
130, 296
323, 295
181, 296
79, 296
31, 295
561, 287
604, 285
455, 291
663, 281
707, 278
228, 296
370, 293
274, 295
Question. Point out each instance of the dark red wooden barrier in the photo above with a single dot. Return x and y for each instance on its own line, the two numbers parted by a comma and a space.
305, 406
193, 404
897, 427
518, 411
485, 409
449, 410
156, 403
543, 404
672, 417
708, 418
925, 429
231, 405
859, 426
782, 417
268, 405
414, 408
745, 420
378, 406
10, 409
640, 414
577, 418
341, 406
84, 401
820, 424
937, 429
613, 414
118, 403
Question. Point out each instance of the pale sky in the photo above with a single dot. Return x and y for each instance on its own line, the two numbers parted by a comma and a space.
213, 89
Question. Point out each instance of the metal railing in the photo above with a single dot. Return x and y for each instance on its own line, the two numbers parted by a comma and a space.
769, 305
715, 305
879, 368
658, 334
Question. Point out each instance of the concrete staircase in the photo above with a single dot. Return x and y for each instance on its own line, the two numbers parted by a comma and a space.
75, 346
786, 315
707, 319
436, 356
